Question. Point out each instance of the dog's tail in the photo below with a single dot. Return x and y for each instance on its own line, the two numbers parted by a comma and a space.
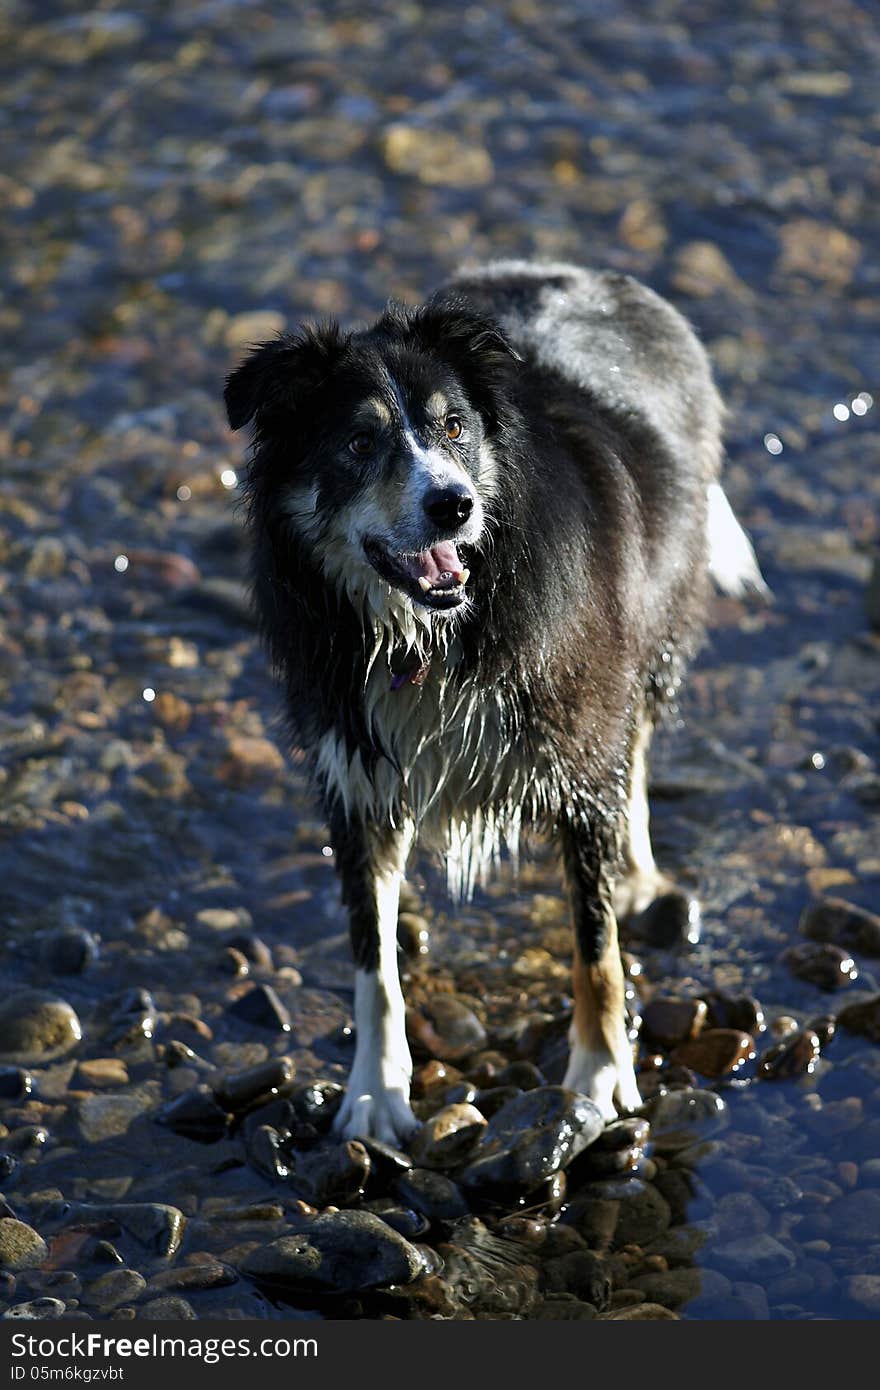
732, 561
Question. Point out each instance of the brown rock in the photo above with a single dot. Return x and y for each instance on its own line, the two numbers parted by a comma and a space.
449, 1136
822, 964
844, 924
716, 1052
250, 760
796, 1056
668, 1022
862, 1019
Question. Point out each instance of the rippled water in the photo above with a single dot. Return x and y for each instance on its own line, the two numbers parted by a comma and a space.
182, 180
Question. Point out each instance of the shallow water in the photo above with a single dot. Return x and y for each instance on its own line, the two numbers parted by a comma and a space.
180, 181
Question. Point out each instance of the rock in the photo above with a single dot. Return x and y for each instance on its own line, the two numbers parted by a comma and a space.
341, 1252
821, 964
855, 1217
15, 1083
68, 951
716, 1052
862, 1019
113, 1289
265, 1150
669, 1021
796, 1056
387, 1162
842, 923
20, 1245
156, 1225
129, 1017
203, 1274
245, 1088
317, 1103
413, 935
38, 1309
196, 1114
250, 761
739, 1215
254, 326
101, 1071
226, 919
334, 1173
531, 1138
563, 1307
755, 1258
435, 156
581, 1273
435, 1196
864, 1291
448, 1137
640, 1312
681, 1118
260, 1005
741, 1011
406, 1222
36, 1027
103, 1117
445, 1028
671, 920
642, 1217
675, 1287
167, 1308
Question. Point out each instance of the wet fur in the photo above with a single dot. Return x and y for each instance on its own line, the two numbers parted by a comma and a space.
599, 437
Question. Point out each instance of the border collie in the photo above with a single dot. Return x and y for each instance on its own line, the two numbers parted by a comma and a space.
482, 535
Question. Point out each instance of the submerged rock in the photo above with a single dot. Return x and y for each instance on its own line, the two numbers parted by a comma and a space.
20, 1245
531, 1138
448, 1136
341, 1252
36, 1027
862, 1019
846, 925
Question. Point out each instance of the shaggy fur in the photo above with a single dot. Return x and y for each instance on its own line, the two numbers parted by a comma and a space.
456, 675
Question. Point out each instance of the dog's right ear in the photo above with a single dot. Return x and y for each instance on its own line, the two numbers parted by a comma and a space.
274, 376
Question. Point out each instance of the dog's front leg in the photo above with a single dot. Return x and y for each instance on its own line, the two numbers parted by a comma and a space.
371, 864
601, 1059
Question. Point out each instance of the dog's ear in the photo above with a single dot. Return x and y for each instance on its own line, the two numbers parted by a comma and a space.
274, 376
472, 344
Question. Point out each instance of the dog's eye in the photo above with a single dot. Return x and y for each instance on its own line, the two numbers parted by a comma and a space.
361, 444
454, 427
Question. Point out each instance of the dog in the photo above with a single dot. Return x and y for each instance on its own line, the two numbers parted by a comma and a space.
482, 535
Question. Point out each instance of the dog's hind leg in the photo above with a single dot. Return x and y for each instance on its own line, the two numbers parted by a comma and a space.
601, 1058
640, 881
371, 864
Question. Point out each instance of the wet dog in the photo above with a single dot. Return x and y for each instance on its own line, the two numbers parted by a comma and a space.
483, 531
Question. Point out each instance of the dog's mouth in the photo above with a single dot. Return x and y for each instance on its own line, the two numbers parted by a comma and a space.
435, 578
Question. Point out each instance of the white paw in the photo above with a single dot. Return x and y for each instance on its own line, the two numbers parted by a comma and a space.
604, 1079
375, 1110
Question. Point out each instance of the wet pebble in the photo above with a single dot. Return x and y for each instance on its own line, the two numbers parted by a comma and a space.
343, 1252
680, 1118
715, 1052
167, 1308
445, 1028
36, 1027
449, 1136
754, 1257
862, 1019
582, 1273
387, 1162
667, 1022
195, 1114
103, 1117
20, 1246
129, 1017
642, 1217
332, 1173
795, 1057
15, 1083
408, 1223
844, 924
68, 951
200, 1274
266, 1152
113, 1289
530, 1138
433, 1194
673, 919
739, 1215
37, 1310
261, 1006
413, 935
245, 1088
821, 964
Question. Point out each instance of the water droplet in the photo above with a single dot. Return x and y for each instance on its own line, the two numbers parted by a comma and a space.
840, 411
120, 564
817, 761
229, 477
773, 444
184, 492
327, 851
149, 694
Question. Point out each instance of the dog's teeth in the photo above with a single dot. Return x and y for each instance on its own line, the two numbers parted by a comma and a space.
462, 576
424, 584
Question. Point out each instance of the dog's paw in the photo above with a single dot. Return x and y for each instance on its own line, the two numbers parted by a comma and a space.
604, 1079
372, 1110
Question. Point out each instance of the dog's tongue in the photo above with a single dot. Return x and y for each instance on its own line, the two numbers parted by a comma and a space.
439, 565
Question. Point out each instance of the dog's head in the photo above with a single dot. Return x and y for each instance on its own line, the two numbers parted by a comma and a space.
375, 448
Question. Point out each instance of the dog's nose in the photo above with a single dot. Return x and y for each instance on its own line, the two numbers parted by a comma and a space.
448, 507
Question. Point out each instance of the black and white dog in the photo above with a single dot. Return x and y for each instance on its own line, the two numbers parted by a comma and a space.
483, 531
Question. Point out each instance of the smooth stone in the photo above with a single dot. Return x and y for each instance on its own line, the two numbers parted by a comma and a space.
37, 1310
676, 1287
821, 964
756, 1257
412, 1225
36, 1027
581, 1273
864, 1291
681, 1118
738, 1215
20, 1245
640, 1312
855, 1217
101, 1071
115, 1288
716, 1052
130, 1017
673, 919
261, 1006
445, 1028
244, 1088
167, 1308
342, 1252
448, 1137
387, 1162
642, 1218
835, 920
669, 1021
433, 1194
740, 1011
15, 1083
332, 1173
563, 1307
862, 1019
532, 1137
632, 1132
266, 1153
205, 1274
795, 1057
68, 951
413, 935
317, 1103
157, 1225
103, 1117
253, 948
195, 1114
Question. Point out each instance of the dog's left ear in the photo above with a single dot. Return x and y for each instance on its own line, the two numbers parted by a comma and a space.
274, 376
